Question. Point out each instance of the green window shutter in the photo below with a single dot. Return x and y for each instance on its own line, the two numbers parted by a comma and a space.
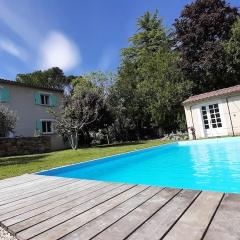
1, 94
54, 100
39, 126
4, 95
37, 98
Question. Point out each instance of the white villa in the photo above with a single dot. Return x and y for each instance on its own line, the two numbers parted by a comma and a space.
213, 114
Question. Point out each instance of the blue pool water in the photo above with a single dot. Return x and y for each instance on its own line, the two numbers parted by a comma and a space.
212, 164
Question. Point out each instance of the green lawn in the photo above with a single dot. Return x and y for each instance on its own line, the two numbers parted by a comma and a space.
18, 165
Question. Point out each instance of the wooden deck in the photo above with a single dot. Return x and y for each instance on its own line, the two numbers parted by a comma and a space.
49, 208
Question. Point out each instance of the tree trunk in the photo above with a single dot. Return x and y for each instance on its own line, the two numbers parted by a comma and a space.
73, 140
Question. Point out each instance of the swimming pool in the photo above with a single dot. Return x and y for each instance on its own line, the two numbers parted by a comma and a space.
212, 164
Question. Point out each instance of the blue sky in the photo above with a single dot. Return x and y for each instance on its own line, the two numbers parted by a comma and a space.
77, 35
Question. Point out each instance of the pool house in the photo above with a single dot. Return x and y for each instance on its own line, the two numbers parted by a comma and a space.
214, 114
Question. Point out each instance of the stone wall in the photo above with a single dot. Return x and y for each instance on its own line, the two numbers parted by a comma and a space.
24, 145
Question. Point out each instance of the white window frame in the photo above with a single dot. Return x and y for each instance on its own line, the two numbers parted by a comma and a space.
49, 98
52, 127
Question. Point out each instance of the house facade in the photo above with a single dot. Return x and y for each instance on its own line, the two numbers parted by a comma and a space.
214, 114
31, 105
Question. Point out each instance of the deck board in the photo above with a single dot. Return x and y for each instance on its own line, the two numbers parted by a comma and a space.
44, 216
44, 188
157, 226
125, 226
195, 220
30, 210
226, 222
49, 208
41, 199
99, 224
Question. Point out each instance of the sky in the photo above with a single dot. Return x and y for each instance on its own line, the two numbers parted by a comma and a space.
78, 36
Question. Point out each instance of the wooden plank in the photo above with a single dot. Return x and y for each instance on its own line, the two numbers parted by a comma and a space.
60, 196
58, 210
92, 228
126, 225
35, 198
156, 227
61, 191
71, 220
39, 190
11, 182
225, 224
26, 188
24, 180
195, 220
68, 199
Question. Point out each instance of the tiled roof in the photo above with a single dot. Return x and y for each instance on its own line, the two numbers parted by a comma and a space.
220, 92
30, 85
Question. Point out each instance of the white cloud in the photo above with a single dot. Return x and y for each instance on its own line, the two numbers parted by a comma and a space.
11, 48
59, 51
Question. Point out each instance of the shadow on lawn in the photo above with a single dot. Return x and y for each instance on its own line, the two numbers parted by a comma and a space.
21, 160
119, 144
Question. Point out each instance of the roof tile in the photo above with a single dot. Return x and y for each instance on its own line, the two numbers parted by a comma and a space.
220, 92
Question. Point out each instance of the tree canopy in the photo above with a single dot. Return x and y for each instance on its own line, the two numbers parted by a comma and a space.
200, 31
149, 84
232, 48
53, 77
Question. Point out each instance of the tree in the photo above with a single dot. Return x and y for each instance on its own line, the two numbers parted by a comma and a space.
53, 77
82, 109
150, 86
7, 121
164, 89
200, 31
232, 48
102, 83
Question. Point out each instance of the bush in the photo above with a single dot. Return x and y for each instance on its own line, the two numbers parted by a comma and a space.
7, 121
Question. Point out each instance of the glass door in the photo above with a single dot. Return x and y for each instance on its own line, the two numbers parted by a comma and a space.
212, 121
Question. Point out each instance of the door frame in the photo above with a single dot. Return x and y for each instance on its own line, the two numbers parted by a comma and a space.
213, 132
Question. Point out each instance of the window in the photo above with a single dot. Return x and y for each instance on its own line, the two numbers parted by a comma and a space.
215, 116
211, 116
47, 127
205, 117
45, 99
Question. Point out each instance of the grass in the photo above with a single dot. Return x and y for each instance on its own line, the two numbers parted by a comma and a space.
18, 165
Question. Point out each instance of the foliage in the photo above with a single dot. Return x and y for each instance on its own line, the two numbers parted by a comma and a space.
200, 30
7, 121
83, 109
53, 77
150, 86
232, 48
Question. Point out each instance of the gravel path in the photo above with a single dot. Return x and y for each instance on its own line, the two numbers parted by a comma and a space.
4, 235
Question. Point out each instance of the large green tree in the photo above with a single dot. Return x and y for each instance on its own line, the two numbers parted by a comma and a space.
150, 87
200, 31
53, 77
232, 48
